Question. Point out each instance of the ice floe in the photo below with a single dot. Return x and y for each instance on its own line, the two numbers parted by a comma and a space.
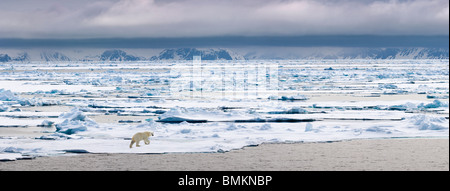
96, 107
74, 121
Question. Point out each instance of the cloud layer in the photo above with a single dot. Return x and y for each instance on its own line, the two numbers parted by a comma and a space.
200, 18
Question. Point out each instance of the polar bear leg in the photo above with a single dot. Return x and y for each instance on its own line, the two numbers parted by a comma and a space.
146, 141
131, 144
137, 144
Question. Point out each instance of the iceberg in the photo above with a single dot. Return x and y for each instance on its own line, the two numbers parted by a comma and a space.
435, 104
3, 108
426, 122
294, 98
387, 86
202, 115
74, 121
7, 95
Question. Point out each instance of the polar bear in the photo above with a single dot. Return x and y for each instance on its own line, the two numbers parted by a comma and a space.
141, 136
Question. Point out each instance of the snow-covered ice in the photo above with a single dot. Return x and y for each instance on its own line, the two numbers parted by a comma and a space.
49, 109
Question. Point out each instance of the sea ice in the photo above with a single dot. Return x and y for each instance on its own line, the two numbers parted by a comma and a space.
314, 100
74, 121
425, 122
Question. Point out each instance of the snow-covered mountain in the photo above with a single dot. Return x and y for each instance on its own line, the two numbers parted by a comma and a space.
5, 58
249, 53
53, 56
344, 53
118, 55
398, 53
189, 53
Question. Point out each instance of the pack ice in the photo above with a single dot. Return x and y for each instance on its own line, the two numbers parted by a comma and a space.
49, 108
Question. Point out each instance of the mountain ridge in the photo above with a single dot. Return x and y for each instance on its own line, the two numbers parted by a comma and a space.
221, 54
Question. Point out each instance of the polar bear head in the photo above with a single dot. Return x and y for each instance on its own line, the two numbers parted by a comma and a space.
148, 133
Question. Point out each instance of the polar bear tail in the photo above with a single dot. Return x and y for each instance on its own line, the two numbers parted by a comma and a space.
131, 144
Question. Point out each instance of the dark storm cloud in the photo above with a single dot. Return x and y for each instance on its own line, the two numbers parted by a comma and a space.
235, 41
208, 18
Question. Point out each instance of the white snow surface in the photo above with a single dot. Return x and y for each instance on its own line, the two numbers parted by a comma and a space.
213, 137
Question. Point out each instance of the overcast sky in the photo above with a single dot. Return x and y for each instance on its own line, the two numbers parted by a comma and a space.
204, 18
